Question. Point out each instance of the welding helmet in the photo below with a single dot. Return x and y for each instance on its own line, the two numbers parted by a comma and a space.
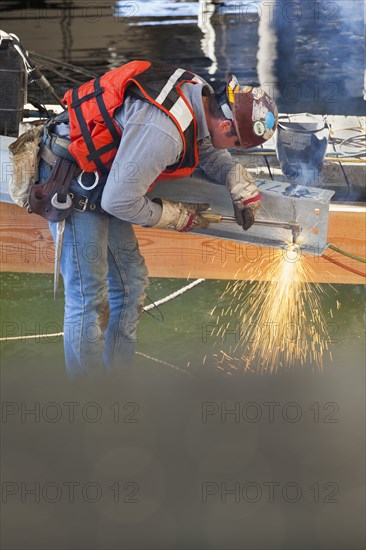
253, 112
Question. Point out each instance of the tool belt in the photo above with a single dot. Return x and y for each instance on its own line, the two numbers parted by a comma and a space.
66, 188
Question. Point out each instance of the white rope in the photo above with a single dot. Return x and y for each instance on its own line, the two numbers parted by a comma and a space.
53, 335
150, 306
162, 362
174, 294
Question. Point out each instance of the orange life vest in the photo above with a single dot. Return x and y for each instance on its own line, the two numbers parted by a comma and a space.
96, 136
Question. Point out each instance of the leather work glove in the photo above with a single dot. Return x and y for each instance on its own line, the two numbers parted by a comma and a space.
181, 216
245, 196
245, 211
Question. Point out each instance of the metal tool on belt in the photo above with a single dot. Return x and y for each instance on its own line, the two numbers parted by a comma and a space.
60, 230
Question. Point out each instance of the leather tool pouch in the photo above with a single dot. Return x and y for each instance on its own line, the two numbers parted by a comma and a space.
51, 199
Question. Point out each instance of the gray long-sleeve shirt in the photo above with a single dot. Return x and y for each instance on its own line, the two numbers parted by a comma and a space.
150, 143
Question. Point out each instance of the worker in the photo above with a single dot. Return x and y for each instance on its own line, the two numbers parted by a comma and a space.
123, 131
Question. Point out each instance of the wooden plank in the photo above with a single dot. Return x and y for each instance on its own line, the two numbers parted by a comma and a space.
346, 230
25, 241
26, 246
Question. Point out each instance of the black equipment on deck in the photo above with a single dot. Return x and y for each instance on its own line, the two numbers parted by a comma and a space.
13, 86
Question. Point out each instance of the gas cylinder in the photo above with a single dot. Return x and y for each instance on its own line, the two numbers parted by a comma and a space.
13, 86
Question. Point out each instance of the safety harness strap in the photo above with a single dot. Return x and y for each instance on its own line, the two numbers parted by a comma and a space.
85, 131
80, 100
94, 153
106, 116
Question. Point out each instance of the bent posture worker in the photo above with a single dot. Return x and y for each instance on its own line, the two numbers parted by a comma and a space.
128, 128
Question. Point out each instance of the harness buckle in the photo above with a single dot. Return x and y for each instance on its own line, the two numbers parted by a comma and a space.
93, 184
81, 204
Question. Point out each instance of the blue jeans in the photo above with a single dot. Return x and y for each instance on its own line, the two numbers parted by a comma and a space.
105, 278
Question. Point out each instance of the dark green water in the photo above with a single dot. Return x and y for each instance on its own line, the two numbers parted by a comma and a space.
183, 337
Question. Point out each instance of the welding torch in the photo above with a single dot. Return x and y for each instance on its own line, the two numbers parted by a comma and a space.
294, 227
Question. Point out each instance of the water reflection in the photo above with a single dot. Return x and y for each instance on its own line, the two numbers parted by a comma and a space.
205, 13
309, 54
156, 11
